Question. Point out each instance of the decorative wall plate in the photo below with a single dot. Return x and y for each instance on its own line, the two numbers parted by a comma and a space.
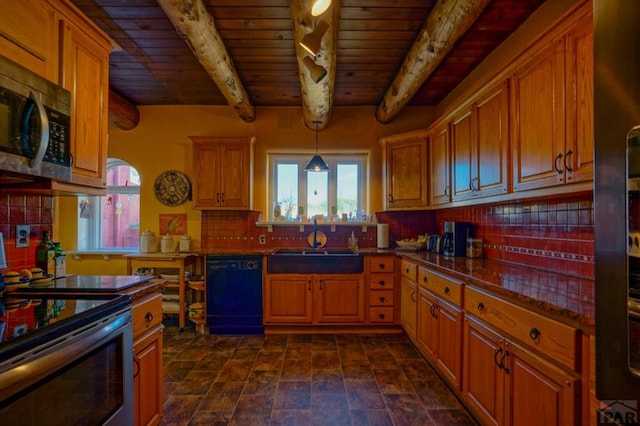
321, 239
172, 188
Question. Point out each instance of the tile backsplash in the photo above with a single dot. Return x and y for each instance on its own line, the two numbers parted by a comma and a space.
33, 210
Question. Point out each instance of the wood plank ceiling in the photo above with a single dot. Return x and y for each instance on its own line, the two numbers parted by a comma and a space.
156, 66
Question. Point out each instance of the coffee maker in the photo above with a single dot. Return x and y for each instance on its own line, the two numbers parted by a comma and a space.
455, 238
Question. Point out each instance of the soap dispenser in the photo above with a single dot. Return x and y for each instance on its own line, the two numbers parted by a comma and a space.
353, 242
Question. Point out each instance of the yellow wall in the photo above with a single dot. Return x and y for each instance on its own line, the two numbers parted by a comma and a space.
161, 142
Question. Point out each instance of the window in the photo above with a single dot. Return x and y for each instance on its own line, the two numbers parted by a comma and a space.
112, 222
299, 195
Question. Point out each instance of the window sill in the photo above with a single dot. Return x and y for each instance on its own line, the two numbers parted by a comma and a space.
105, 254
301, 225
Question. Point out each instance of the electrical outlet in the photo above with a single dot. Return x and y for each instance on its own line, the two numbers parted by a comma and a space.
262, 239
22, 235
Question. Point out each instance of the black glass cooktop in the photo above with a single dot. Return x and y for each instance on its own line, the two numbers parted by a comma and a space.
89, 283
28, 320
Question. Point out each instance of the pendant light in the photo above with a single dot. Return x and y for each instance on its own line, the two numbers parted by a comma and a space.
317, 164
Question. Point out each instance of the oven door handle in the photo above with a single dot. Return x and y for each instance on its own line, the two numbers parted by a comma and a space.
26, 369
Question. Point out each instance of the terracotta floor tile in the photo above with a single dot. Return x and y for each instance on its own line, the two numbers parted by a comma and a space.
307, 379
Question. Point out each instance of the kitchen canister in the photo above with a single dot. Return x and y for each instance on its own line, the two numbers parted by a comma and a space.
185, 243
166, 244
148, 242
474, 247
383, 235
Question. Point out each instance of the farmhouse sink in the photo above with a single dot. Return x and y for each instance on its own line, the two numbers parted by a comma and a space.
314, 261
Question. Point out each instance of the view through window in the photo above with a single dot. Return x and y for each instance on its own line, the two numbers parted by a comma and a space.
112, 222
298, 195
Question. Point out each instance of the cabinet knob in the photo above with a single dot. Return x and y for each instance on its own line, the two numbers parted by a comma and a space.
390, 198
381, 266
481, 306
446, 290
148, 317
382, 299
424, 279
381, 282
381, 316
534, 334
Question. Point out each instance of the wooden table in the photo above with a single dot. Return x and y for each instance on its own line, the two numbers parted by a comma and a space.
178, 261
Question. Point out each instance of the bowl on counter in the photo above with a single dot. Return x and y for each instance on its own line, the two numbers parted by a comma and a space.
413, 245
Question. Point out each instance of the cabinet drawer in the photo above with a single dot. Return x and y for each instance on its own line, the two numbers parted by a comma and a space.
381, 298
382, 264
147, 313
442, 286
408, 270
381, 281
547, 336
381, 314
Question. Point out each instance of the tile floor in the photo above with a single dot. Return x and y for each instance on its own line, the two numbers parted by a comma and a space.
311, 379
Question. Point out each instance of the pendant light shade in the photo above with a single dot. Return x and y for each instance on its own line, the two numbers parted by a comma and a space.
311, 42
317, 164
320, 6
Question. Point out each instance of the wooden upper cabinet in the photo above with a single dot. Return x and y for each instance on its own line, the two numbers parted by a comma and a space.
479, 145
85, 73
223, 173
439, 155
580, 127
28, 35
490, 167
405, 170
462, 141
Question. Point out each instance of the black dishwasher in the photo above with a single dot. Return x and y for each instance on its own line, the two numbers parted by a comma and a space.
234, 294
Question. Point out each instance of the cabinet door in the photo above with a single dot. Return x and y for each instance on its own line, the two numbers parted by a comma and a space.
206, 159
339, 299
85, 65
483, 380
28, 35
490, 174
427, 327
408, 307
148, 378
235, 176
538, 392
405, 177
462, 138
288, 299
439, 166
579, 156
449, 336
538, 119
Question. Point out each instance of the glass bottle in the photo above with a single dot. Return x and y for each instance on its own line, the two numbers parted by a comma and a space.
45, 253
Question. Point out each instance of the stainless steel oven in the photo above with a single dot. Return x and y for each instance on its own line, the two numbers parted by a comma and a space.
67, 361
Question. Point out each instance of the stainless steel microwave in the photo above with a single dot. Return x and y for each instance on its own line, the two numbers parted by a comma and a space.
35, 124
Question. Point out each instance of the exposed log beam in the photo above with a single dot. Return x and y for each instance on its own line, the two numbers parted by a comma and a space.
195, 25
317, 98
122, 114
447, 22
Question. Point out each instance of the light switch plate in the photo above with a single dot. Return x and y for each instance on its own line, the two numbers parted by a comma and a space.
22, 235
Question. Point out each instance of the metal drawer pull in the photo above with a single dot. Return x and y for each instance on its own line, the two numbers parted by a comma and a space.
534, 334
148, 317
506, 369
382, 299
382, 283
381, 316
555, 163
447, 290
424, 279
566, 157
481, 306
495, 358
381, 266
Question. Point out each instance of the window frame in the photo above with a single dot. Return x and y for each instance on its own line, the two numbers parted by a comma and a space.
332, 160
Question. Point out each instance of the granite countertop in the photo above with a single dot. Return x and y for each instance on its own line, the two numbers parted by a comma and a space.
566, 298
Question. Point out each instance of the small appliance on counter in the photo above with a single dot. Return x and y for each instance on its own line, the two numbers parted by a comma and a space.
434, 243
455, 238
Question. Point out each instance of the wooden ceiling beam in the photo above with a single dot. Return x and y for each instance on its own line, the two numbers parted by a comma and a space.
447, 22
195, 25
317, 98
122, 113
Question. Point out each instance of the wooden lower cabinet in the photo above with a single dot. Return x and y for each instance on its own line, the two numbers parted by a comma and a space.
439, 335
505, 384
147, 352
408, 306
381, 289
313, 299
